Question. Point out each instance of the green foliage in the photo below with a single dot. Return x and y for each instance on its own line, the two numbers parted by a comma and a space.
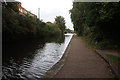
115, 59
60, 21
54, 29
17, 27
98, 22
68, 31
13, 6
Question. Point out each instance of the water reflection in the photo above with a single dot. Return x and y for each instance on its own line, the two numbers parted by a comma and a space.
31, 59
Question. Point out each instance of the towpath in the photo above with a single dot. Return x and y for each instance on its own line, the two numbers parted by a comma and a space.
83, 62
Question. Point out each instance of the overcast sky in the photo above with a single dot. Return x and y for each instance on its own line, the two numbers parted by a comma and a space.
49, 9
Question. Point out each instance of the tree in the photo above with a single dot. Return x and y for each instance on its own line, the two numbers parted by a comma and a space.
16, 27
98, 22
60, 21
13, 6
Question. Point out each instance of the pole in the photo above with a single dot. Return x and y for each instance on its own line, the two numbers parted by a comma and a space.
39, 13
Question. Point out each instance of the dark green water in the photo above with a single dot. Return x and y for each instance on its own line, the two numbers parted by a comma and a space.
31, 59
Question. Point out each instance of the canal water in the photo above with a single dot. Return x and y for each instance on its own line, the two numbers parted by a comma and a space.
30, 60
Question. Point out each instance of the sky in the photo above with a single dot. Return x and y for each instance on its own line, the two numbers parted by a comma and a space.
49, 9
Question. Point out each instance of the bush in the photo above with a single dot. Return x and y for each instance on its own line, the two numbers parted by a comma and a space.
16, 26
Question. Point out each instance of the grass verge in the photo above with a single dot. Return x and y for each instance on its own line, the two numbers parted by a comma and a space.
115, 59
90, 44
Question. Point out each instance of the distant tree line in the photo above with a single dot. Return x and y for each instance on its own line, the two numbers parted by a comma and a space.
98, 22
16, 26
68, 31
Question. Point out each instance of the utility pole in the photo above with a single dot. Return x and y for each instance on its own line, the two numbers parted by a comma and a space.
38, 13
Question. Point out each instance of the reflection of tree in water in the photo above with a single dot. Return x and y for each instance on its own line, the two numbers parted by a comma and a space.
27, 48
15, 53
57, 39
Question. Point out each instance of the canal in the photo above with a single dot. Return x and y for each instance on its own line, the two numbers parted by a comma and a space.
30, 60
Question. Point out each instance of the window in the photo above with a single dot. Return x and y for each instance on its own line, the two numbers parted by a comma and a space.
19, 9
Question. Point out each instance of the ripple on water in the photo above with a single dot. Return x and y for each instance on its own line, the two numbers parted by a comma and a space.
32, 66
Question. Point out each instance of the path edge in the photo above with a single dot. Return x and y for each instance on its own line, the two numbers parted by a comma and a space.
115, 69
58, 66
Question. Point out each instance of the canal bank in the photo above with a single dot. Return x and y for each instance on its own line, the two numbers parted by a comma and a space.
30, 60
57, 67
82, 62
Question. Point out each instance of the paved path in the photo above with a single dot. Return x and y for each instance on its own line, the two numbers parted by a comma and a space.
82, 62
